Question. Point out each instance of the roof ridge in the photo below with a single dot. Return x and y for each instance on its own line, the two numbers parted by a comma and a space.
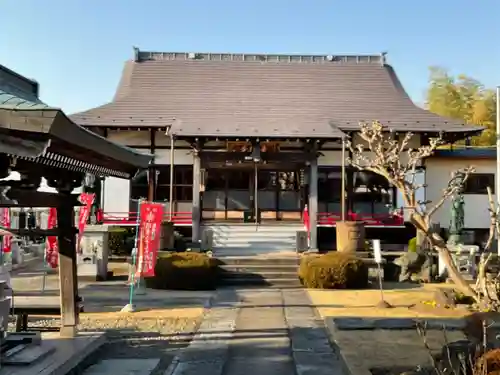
379, 58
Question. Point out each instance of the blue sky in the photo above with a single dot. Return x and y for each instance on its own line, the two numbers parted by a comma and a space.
76, 48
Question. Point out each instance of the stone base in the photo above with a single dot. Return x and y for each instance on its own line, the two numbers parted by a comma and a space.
91, 271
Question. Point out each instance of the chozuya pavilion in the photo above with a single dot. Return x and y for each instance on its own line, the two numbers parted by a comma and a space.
257, 133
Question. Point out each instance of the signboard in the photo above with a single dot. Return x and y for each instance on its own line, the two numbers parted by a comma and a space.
5, 222
377, 251
151, 215
51, 245
87, 199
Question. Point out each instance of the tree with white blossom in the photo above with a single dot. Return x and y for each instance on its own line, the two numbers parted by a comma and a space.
382, 153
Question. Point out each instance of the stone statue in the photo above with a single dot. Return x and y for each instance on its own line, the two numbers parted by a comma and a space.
457, 223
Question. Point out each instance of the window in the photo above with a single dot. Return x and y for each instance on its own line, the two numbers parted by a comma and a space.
139, 187
329, 184
183, 184
477, 183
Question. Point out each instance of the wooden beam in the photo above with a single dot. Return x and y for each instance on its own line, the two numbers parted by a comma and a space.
67, 267
152, 169
38, 232
31, 198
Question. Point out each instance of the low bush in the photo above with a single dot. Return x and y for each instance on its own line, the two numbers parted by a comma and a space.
184, 271
333, 270
121, 240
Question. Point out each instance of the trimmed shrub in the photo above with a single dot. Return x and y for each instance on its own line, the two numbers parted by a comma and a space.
184, 271
121, 240
333, 270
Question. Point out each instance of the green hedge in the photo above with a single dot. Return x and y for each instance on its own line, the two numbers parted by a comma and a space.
184, 271
121, 240
333, 270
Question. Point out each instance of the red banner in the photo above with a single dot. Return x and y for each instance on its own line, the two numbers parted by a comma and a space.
151, 215
7, 240
87, 199
52, 246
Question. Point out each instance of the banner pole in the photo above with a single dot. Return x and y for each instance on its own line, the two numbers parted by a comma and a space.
130, 306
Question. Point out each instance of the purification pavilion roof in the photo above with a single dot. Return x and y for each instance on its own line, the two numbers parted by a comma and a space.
252, 95
26, 119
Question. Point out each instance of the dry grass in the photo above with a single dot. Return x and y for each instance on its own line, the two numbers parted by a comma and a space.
160, 321
188, 313
361, 303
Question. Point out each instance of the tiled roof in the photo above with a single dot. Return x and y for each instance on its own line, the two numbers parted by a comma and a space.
9, 101
75, 146
262, 95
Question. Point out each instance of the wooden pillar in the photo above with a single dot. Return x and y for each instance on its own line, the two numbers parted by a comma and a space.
68, 282
152, 169
313, 204
196, 210
350, 189
151, 184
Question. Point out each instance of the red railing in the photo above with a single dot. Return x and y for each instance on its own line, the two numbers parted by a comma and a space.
386, 219
324, 218
130, 218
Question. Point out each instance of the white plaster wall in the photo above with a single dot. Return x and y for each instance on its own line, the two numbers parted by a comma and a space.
181, 157
438, 172
414, 141
116, 196
129, 137
334, 158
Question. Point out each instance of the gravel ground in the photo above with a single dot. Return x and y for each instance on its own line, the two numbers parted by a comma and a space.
132, 337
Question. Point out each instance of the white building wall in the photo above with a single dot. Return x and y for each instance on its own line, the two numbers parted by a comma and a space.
438, 173
116, 196
181, 157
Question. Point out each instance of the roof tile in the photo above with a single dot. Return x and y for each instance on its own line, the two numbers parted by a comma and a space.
261, 96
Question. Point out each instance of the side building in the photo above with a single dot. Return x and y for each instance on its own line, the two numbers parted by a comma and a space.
258, 138
437, 175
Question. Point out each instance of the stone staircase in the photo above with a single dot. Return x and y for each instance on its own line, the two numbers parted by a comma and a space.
261, 271
251, 239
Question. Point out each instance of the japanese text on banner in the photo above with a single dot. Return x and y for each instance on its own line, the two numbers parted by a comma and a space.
87, 199
151, 215
51, 245
5, 222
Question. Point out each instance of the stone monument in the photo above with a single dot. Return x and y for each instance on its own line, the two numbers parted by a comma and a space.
463, 255
457, 220
93, 260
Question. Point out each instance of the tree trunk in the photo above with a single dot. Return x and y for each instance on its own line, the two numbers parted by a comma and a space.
462, 285
439, 245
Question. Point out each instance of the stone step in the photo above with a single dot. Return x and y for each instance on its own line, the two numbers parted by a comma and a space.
260, 268
268, 261
251, 274
256, 237
234, 252
254, 229
290, 282
136, 366
241, 248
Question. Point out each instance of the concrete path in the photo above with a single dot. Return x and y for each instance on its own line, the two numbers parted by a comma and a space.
259, 332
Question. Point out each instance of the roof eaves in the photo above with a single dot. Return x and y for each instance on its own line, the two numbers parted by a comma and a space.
10, 101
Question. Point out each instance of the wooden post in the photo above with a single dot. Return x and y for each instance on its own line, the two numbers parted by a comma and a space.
196, 213
68, 282
313, 204
350, 187
152, 169
151, 184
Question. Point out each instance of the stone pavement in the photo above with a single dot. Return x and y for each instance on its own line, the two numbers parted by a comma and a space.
259, 332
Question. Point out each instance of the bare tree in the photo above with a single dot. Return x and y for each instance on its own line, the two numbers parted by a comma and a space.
382, 154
